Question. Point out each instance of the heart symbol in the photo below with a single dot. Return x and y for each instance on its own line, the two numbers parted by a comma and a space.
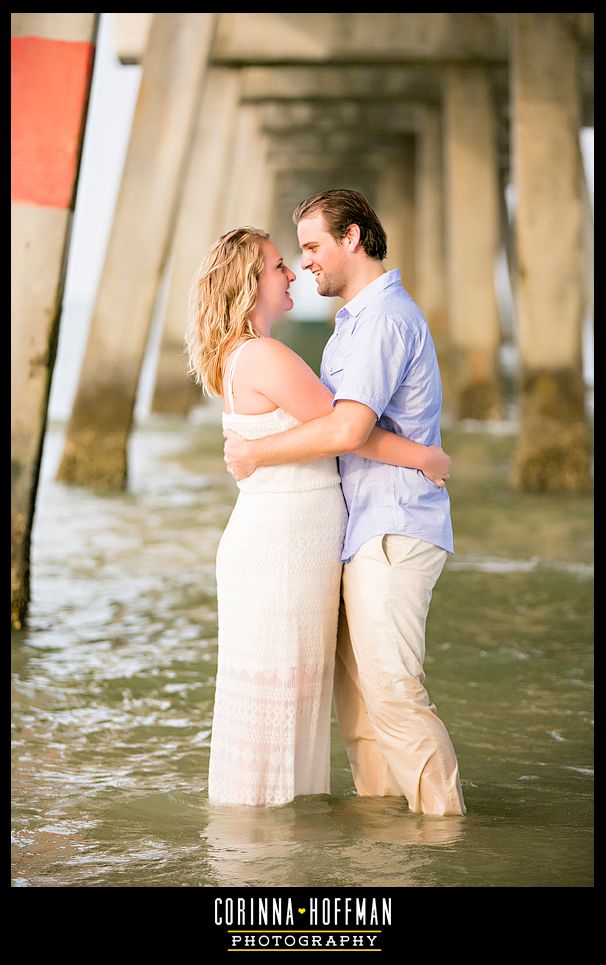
301, 910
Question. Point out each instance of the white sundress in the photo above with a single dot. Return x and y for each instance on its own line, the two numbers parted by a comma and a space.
278, 587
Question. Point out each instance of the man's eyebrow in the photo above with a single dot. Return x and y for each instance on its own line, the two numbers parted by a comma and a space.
308, 244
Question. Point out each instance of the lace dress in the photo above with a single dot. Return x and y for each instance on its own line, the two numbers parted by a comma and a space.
278, 585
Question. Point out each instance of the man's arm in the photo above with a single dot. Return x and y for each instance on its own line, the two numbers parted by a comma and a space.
342, 430
334, 435
388, 447
280, 375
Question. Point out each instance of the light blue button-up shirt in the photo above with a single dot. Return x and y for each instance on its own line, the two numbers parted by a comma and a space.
382, 354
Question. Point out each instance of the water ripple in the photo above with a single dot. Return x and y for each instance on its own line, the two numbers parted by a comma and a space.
497, 565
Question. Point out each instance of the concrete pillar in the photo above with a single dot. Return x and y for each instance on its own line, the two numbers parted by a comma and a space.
258, 198
553, 450
588, 249
472, 234
247, 195
167, 107
131, 32
198, 225
430, 255
279, 220
396, 211
51, 70
430, 244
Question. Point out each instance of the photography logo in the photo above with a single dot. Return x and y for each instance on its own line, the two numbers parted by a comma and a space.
294, 924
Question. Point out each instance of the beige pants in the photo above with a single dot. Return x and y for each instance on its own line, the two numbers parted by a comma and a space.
397, 744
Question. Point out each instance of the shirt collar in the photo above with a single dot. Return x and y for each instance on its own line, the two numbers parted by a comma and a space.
360, 301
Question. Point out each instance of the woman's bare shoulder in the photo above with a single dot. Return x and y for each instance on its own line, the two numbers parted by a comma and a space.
269, 351
275, 371
270, 345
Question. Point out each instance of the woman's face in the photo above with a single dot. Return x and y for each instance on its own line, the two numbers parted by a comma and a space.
273, 295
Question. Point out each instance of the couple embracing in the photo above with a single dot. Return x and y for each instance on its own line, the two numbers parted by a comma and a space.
326, 568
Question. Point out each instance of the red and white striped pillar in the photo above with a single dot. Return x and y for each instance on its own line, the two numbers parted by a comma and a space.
51, 70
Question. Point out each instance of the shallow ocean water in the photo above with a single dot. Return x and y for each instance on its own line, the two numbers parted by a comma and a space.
113, 692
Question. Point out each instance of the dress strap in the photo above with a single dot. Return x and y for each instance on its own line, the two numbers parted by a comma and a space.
230, 381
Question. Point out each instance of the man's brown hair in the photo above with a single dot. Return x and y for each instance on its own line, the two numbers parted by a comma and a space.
342, 207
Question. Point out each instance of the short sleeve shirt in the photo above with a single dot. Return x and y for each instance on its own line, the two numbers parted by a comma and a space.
382, 354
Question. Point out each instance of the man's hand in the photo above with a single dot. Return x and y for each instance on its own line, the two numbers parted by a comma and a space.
237, 453
437, 466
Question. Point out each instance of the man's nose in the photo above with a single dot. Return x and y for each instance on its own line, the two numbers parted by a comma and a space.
306, 260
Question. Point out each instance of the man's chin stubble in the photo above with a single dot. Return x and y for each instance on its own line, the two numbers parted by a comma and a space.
326, 292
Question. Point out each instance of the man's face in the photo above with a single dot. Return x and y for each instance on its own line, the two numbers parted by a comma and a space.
323, 256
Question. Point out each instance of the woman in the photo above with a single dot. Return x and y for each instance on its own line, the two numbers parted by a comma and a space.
278, 561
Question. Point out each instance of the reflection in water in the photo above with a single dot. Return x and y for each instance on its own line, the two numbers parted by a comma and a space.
324, 842
113, 694
388, 820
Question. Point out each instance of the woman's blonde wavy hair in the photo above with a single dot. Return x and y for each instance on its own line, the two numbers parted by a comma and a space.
221, 298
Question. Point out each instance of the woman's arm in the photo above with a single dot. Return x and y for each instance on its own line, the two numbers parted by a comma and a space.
385, 446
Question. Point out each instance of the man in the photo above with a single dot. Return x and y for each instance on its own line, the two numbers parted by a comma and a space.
381, 364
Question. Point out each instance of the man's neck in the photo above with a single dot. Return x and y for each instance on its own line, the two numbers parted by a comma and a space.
363, 277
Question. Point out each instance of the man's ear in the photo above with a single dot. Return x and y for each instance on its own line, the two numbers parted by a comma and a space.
352, 237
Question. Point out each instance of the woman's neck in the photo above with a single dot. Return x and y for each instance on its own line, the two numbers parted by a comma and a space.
261, 325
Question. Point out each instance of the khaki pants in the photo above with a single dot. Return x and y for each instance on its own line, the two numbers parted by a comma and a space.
397, 744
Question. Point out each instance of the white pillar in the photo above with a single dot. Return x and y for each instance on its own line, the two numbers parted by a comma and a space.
553, 451
472, 231
173, 74
202, 201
